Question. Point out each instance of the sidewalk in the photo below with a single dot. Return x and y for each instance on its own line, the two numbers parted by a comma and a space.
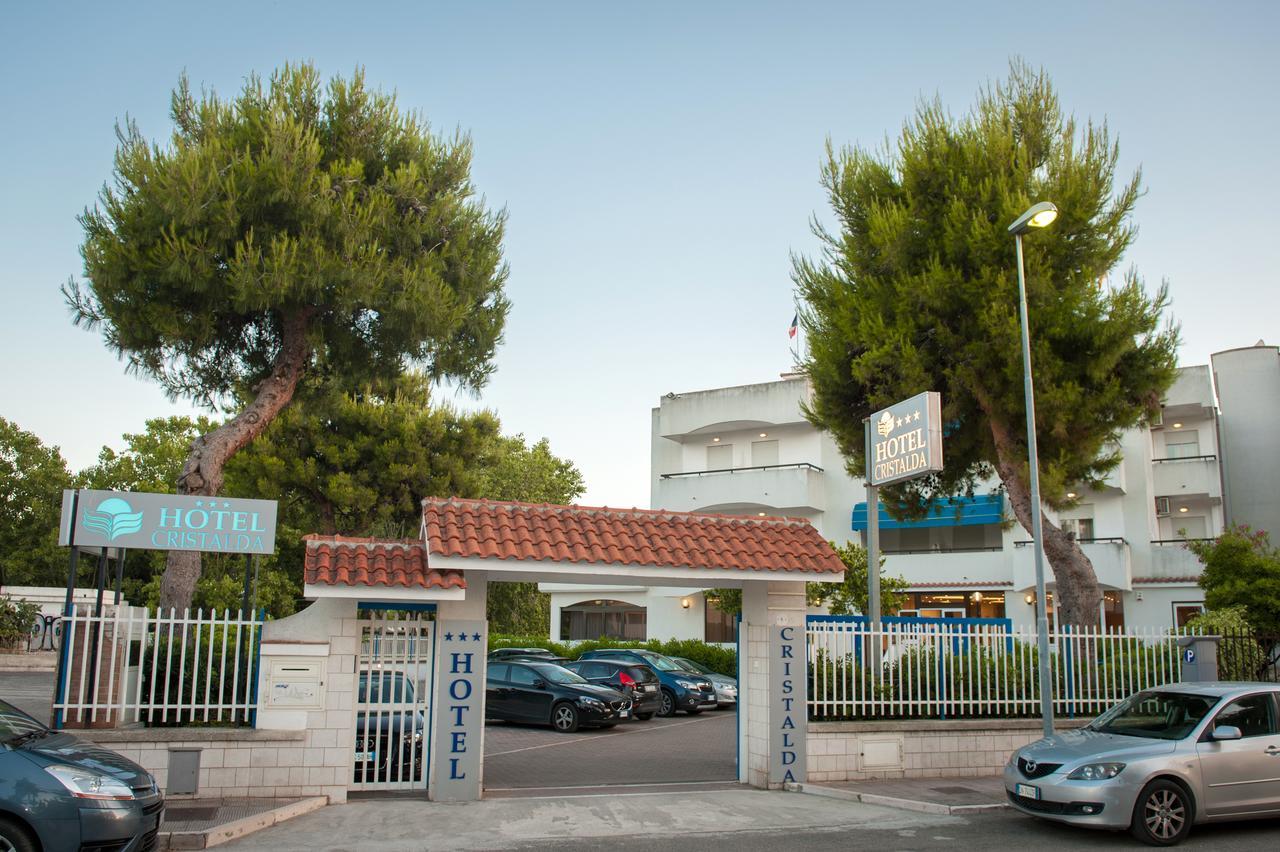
203, 823
951, 796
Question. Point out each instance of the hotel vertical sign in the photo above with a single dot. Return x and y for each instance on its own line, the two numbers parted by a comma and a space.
905, 440
789, 709
457, 742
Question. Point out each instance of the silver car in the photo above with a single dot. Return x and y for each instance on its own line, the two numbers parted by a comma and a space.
1159, 762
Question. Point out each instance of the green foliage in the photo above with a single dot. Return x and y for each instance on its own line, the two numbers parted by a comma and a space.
728, 601
292, 201
714, 657
32, 478
16, 620
850, 596
1241, 654
166, 680
221, 588
1242, 570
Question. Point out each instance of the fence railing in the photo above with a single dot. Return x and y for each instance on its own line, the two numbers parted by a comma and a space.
968, 670
1245, 655
130, 667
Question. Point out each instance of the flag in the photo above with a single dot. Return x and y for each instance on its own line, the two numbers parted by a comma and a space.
795, 324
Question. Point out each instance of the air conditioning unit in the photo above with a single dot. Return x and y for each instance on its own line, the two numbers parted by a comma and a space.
1162, 505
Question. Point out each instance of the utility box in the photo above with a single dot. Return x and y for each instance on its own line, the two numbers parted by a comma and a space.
294, 683
1199, 658
184, 771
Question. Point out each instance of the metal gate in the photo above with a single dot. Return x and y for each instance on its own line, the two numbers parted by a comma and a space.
394, 675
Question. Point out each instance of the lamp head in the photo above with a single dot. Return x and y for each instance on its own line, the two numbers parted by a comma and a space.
1037, 216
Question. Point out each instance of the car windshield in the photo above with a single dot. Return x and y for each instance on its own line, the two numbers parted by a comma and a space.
387, 689
556, 674
14, 723
691, 666
665, 664
1155, 715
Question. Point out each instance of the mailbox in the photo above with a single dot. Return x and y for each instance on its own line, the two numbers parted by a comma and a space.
296, 683
1199, 658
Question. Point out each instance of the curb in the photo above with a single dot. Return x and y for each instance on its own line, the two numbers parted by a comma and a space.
227, 832
894, 801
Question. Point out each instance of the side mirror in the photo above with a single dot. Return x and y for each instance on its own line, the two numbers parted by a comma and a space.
1227, 732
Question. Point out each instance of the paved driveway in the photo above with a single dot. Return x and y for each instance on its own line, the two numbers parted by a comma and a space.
679, 749
31, 692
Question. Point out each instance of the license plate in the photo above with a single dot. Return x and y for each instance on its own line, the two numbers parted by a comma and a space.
1027, 791
366, 756
624, 714
648, 687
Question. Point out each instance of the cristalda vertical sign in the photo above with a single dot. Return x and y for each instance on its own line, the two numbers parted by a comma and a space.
457, 742
789, 709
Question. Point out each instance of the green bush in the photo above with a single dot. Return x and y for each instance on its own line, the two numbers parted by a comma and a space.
1241, 656
16, 620
714, 657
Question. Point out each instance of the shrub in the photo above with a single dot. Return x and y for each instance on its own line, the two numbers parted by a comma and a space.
16, 620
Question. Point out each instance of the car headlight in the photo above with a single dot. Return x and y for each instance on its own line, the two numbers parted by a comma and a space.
1096, 772
686, 684
584, 701
86, 784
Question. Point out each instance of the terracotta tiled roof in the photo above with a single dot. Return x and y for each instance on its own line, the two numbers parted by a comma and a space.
347, 561
1148, 580
580, 534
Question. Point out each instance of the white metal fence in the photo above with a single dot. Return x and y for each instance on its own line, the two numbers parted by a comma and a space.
393, 700
976, 670
172, 668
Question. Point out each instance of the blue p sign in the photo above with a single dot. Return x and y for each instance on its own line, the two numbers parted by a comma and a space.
1189, 655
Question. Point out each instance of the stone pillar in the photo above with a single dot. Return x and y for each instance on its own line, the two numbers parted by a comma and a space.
772, 704
457, 708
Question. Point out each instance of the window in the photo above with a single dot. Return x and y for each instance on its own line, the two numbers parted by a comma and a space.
1190, 526
1184, 445
602, 619
1184, 611
764, 453
718, 626
522, 676
1254, 715
498, 671
1112, 611
720, 457
954, 605
1081, 528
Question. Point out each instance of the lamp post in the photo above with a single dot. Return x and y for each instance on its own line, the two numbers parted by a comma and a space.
1037, 216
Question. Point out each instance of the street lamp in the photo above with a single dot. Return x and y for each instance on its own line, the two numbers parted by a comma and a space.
1037, 216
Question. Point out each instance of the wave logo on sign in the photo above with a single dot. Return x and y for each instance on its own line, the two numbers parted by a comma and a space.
885, 425
114, 518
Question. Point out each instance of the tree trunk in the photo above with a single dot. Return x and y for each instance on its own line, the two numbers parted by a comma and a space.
1079, 597
202, 473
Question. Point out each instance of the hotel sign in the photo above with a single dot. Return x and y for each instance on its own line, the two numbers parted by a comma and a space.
788, 711
141, 521
458, 734
905, 440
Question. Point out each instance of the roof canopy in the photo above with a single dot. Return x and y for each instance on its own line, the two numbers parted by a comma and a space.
342, 566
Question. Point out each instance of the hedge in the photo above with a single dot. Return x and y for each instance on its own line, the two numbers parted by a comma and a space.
714, 657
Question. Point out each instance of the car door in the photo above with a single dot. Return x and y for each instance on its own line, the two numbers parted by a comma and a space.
1243, 776
529, 701
497, 692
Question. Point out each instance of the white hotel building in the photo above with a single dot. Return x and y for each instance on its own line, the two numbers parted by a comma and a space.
1212, 459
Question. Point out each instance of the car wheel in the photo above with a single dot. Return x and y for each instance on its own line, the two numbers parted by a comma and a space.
16, 837
668, 707
644, 717
564, 717
1162, 815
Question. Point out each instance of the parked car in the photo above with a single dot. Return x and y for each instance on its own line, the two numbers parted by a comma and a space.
637, 682
388, 740
681, 690
548, 694
726, 687
58, 792
525, 653
1159, 762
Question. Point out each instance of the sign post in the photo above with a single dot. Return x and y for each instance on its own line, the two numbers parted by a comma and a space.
903, 441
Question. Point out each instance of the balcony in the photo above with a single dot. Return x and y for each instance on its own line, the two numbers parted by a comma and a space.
793, 487
1170, 560
681, 416
923, 568
1110, 558
1196, 476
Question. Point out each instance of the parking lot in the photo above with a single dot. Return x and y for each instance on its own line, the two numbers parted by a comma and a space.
679, 749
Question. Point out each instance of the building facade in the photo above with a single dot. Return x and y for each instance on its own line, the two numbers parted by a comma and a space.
1207, 461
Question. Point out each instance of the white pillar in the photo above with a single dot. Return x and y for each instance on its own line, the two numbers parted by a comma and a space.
767, 608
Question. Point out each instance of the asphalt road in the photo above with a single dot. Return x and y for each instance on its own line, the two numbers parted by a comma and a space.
31, 692
679, 749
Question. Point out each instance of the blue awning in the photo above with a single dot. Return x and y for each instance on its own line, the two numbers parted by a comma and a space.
960, 512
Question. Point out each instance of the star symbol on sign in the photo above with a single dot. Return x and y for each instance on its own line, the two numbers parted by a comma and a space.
899, 423
462, 637
476, 637
917, 417
448, 637
198, 503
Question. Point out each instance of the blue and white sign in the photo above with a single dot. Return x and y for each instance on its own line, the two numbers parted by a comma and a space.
1189, 655
145, 521
457, 745
788, 708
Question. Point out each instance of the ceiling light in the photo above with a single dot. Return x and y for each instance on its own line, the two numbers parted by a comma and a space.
1071, 495
1183, 509
1177, 425
715, 440
761, 514
764, 434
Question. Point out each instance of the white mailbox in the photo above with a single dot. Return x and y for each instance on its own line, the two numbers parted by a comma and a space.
296, 683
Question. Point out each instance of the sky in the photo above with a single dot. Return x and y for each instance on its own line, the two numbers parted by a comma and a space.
659, 164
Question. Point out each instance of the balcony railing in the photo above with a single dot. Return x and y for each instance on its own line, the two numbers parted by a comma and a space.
793, 466
933, 550
1184, 459
1108, 540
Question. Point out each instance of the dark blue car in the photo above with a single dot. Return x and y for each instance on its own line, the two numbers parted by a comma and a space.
681, 690
58, 792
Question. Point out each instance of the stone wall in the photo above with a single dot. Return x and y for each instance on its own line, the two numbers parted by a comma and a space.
926, 748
